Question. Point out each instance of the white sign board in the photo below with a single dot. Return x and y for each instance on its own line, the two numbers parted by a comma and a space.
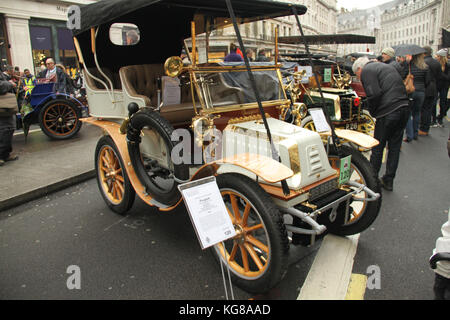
171, 91
207, 211
320, 122
308, 74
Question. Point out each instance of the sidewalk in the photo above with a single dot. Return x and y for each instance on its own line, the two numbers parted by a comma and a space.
45, 166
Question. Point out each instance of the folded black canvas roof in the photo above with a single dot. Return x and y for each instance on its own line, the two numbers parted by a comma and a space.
251, 10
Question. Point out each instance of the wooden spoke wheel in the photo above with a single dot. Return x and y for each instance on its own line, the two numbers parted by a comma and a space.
257, 255
60, 119
363, 212
250, 252
112, 178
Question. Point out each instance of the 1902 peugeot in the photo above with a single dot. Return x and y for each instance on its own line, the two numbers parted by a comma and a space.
166, 123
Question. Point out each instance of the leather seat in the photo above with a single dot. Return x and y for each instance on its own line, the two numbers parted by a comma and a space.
140, 81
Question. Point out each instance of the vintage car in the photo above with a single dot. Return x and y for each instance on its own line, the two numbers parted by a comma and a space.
166, 123
345, 100
58, 114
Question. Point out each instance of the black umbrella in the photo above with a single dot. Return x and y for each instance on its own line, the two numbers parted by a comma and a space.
408, 49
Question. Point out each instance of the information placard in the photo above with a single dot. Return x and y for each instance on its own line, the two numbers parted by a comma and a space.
207, 211
171, 92
320, 122
345, 169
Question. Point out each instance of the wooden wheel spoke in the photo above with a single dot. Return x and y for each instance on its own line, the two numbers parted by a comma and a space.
246, 213
257, 243
253, 228
233, 252
120, 178
244, 258
254, 256
235, 207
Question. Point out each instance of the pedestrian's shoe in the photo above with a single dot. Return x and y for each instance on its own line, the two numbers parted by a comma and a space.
407, 140
434, 125
2, 162
423, 133
387, 184
12, 158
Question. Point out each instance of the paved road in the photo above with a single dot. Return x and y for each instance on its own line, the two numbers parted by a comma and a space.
152, 255
402, 238
144, 255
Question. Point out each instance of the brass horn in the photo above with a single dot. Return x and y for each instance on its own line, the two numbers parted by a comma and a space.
173, 66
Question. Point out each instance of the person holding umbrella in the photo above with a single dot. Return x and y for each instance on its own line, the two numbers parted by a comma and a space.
415, 56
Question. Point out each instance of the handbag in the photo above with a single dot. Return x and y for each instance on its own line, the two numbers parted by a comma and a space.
409, 82
8, 105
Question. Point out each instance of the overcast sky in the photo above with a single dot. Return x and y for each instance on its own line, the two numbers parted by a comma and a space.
359, 4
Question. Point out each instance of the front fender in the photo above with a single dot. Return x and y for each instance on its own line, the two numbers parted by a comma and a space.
361, 139
263, 167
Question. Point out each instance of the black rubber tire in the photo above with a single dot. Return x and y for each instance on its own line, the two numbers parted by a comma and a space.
128, 194
274, 231
44, 118
370, 213
151, 119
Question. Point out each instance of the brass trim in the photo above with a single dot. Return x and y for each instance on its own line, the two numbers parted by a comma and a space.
247, 106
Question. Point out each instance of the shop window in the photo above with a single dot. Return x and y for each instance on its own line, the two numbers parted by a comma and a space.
41, 45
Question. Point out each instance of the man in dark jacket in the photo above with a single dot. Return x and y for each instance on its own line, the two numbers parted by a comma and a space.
388, 57
388, 103
431, 93
8, 109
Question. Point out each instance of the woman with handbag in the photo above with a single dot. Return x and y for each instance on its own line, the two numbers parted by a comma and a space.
419, 73
443, 85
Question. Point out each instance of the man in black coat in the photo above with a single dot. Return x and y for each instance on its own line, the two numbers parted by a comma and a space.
431, 93
8, 109
388, 103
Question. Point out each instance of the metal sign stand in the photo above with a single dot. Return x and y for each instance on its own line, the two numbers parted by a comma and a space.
229, 277
201, 192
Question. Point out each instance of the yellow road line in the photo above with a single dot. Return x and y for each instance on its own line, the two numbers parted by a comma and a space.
357, 287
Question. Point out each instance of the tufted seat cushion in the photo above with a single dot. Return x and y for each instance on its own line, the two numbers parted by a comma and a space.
140, 81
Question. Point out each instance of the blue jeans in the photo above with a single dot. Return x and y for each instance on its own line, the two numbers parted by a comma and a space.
412, 127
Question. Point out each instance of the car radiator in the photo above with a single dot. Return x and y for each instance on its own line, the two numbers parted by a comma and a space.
299, 149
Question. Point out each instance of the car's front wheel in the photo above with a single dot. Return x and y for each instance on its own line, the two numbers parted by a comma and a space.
257, 255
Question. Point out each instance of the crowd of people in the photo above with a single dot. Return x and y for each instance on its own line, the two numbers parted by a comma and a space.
15, 92
403, 113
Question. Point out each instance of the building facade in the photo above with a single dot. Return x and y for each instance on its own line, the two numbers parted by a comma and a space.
397, 22
32, 30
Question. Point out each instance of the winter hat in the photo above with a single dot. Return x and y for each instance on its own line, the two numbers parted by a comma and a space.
389, 51
442, 53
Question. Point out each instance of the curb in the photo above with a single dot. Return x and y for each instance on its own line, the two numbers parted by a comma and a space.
44, 190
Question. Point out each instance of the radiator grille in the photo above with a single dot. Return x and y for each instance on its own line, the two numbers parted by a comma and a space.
323, 189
